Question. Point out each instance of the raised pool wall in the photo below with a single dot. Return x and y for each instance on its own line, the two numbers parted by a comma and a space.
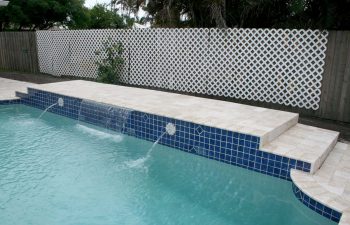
222, 145
234, 148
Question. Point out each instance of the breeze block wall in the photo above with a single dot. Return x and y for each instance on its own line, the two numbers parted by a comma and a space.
280, 66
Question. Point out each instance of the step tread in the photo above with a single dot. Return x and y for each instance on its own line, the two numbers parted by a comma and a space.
305, 143
9, 87
21, 94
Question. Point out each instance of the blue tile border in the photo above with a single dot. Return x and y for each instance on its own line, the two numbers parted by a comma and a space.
10, 102
222, 145
316, 206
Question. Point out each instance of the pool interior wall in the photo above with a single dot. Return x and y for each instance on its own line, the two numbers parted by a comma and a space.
225, 146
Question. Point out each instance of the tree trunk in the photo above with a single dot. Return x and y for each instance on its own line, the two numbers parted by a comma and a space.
217, 11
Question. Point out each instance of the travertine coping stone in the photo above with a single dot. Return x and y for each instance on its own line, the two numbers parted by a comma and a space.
8, 88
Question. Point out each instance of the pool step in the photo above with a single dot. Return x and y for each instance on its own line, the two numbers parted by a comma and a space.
330, 185
21, 94
8, 88
304, 143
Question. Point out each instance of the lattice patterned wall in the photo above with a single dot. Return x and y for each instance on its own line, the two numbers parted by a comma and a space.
279, 66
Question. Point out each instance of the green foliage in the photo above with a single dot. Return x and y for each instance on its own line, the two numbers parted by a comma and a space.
43, 14
102, 18
39, 14
80, 19
321, 14
129, 21
110, 68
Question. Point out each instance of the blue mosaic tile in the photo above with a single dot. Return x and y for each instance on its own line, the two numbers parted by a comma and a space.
41, 100
222, 145
10, 102
316, 206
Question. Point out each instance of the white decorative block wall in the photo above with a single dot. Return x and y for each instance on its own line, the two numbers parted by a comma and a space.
279, 66
44, 44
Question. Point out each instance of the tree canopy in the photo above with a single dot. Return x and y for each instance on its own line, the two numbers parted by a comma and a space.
101, 18
321, 14
44, 14
39, 14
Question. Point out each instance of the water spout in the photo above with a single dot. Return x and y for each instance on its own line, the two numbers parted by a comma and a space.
59, 103
170, 129
141, 161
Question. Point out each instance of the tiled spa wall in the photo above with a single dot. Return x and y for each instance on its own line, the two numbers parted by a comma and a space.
213, 143
316, 206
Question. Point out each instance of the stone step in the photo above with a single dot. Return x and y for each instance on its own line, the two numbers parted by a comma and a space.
304, 143
330, 185
9, 87
20, 94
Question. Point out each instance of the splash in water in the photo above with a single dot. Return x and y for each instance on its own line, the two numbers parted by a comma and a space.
100, 134
139, 163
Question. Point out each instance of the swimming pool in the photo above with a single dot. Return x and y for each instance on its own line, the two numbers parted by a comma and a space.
60, 171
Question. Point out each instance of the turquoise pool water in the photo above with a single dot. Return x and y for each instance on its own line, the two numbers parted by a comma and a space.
56, 171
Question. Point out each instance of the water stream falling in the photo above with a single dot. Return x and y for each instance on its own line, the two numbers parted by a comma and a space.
59, 102
170, 129
111, 118
117, 118
141, 161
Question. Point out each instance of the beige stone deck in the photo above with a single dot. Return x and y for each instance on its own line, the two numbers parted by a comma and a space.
9, 87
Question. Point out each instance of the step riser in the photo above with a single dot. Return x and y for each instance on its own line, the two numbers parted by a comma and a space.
316, 166
21, 94
304, 143
280, 130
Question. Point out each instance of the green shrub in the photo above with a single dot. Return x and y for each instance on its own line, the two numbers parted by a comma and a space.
111, 66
